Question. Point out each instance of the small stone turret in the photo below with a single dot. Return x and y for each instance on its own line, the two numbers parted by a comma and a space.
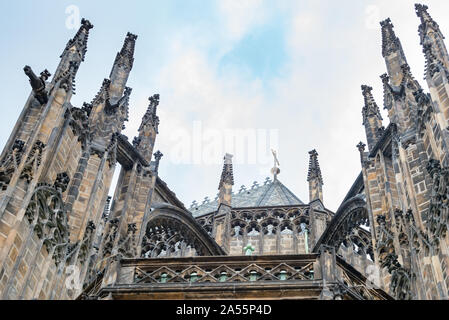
314, 178
372, 120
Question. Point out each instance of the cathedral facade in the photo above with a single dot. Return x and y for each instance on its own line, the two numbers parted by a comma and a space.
63, 237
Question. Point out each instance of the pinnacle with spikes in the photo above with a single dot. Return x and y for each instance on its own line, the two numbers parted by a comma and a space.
150, 116
227, 175
370, 108
314, 167
80, 39
421, 12
125, 58
390, 42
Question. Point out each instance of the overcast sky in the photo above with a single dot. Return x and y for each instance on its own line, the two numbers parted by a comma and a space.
285, 72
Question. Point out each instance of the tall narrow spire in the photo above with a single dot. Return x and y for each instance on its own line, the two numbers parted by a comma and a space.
75, 50
148, 129
226, 181
150, 117
430, 35
392, 52
122, 66
314, 178
110, 106
372, 120
370, 109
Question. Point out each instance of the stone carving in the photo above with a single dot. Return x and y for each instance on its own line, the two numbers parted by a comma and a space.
79, 123
370, 108
106, 210
10, 163
125, 58
227, 176
86, 242
33, 161
110, 238
350, 216
390, 43
150, 117
62, 182
232, 272
38, 84
48, 218
400, 283
438, 217
166, 237
127, 246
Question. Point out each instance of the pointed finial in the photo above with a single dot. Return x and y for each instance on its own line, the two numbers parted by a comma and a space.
125, 58
227, 174
370, 108
385, 78
38, 84
421, 12
314, 167
390, 42
275, 170
361, 147
150, 116
157, 156
80, 39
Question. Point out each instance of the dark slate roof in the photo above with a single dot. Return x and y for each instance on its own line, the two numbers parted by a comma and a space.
271, 193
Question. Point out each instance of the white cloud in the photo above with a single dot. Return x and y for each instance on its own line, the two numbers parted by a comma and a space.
241, 16
316, 103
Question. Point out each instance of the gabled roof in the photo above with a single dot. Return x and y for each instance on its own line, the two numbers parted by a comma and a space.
271, 193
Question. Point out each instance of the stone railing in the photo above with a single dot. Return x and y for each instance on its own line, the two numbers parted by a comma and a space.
230, 269
321, 275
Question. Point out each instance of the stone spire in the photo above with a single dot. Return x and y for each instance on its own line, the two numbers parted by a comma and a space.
314, 178
392, 52
122, 66
157, 158
109, 109
74, 52
148, 129
150, 117
372, 120
226, 182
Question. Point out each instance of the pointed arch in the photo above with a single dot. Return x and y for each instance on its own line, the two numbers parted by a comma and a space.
170, 230
351, 214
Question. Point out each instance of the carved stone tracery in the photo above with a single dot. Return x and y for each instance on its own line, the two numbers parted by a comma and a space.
33, 161
401, 277
10, 163
48, 219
